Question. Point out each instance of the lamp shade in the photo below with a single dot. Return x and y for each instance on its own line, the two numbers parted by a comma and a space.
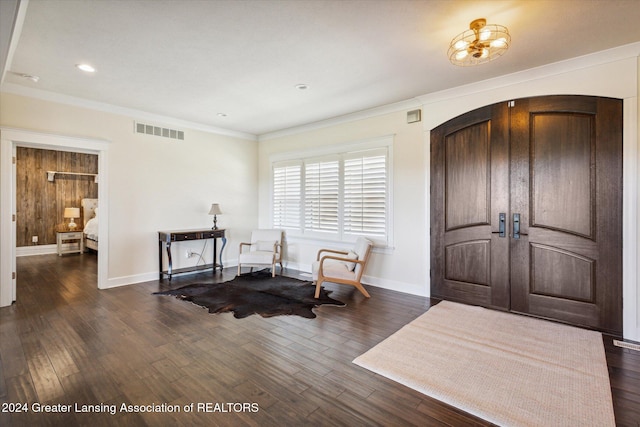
215, 209
72, 212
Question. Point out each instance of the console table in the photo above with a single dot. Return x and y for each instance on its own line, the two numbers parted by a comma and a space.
167, 237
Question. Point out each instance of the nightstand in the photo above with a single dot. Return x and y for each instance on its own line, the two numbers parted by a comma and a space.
65, 236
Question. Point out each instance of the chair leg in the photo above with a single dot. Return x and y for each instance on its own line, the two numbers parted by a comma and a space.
238, 269
318, 285
273, 270
362, 289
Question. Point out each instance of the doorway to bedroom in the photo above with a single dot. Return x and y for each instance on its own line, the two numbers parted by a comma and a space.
56, 202
54, 191
10, 141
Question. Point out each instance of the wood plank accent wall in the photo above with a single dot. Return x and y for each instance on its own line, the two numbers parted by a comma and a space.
40, 203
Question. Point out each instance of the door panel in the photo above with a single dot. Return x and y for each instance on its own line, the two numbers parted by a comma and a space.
465, 220
469, 262
467, 176
569, 265
560, 273
562, 153
556, 162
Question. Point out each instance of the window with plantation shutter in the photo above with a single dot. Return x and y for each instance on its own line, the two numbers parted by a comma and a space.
339, 193
287, 188
365, 193
321, 192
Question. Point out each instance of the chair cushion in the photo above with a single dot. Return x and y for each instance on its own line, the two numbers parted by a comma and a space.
349, 265
263, 245
257, 257
361, 246
336, 269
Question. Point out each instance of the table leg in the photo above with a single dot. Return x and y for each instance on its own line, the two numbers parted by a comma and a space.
160, 258
170, 269
224, 243
215, 253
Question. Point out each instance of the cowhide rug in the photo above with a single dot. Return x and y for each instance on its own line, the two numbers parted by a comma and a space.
256, 293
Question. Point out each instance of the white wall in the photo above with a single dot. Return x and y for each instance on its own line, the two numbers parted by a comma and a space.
154, 183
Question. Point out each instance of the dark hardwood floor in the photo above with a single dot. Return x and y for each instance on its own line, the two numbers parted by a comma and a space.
65, 343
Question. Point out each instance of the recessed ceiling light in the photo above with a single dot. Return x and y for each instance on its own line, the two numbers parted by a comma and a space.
302, 86
86, 68
222, 115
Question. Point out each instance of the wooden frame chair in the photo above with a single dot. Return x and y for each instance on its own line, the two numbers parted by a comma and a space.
265, 249
343, 267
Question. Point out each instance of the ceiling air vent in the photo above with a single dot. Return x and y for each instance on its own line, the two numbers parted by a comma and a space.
159, 131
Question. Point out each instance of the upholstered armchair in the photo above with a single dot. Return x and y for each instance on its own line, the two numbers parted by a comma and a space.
343, 267
265, 248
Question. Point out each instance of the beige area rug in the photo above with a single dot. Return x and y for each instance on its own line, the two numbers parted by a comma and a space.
505, 368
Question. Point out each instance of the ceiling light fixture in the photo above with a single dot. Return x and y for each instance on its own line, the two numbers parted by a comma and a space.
86, 68
221, 115
302, 86
479, 44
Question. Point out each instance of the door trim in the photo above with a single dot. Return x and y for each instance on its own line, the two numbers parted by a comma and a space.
11, 138
630, 220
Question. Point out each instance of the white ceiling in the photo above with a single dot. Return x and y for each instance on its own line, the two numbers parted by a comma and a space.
191, 59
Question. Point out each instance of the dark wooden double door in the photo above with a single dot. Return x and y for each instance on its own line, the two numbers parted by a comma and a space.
526, 209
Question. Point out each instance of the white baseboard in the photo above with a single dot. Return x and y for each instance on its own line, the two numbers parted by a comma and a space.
407, 288
116, 282
42, 249
152, 276
392, 285
36, 250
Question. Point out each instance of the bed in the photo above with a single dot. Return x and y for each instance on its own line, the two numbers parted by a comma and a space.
90, 218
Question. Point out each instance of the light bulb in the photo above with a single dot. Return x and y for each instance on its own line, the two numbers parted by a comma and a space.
461, 55
461, 44
501, 42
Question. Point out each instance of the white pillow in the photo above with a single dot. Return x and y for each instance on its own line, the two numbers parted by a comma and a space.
95, 212
351, 265
263, 245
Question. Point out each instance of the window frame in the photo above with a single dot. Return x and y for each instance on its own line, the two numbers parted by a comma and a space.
341, 151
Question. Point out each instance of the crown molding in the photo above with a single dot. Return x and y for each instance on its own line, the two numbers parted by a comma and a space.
10, 32
137, 115
619, 53
408, 104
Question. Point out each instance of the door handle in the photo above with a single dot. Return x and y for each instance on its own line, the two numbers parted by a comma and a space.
516, 226
502, 218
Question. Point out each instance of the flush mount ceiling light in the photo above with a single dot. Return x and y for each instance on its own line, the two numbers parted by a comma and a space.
86, 68
479, 44
302, 86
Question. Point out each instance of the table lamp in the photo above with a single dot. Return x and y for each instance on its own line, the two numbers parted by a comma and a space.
215, 211
72, 213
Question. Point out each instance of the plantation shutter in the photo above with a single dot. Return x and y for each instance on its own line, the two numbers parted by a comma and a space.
365, 193
287, 195
321, 192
